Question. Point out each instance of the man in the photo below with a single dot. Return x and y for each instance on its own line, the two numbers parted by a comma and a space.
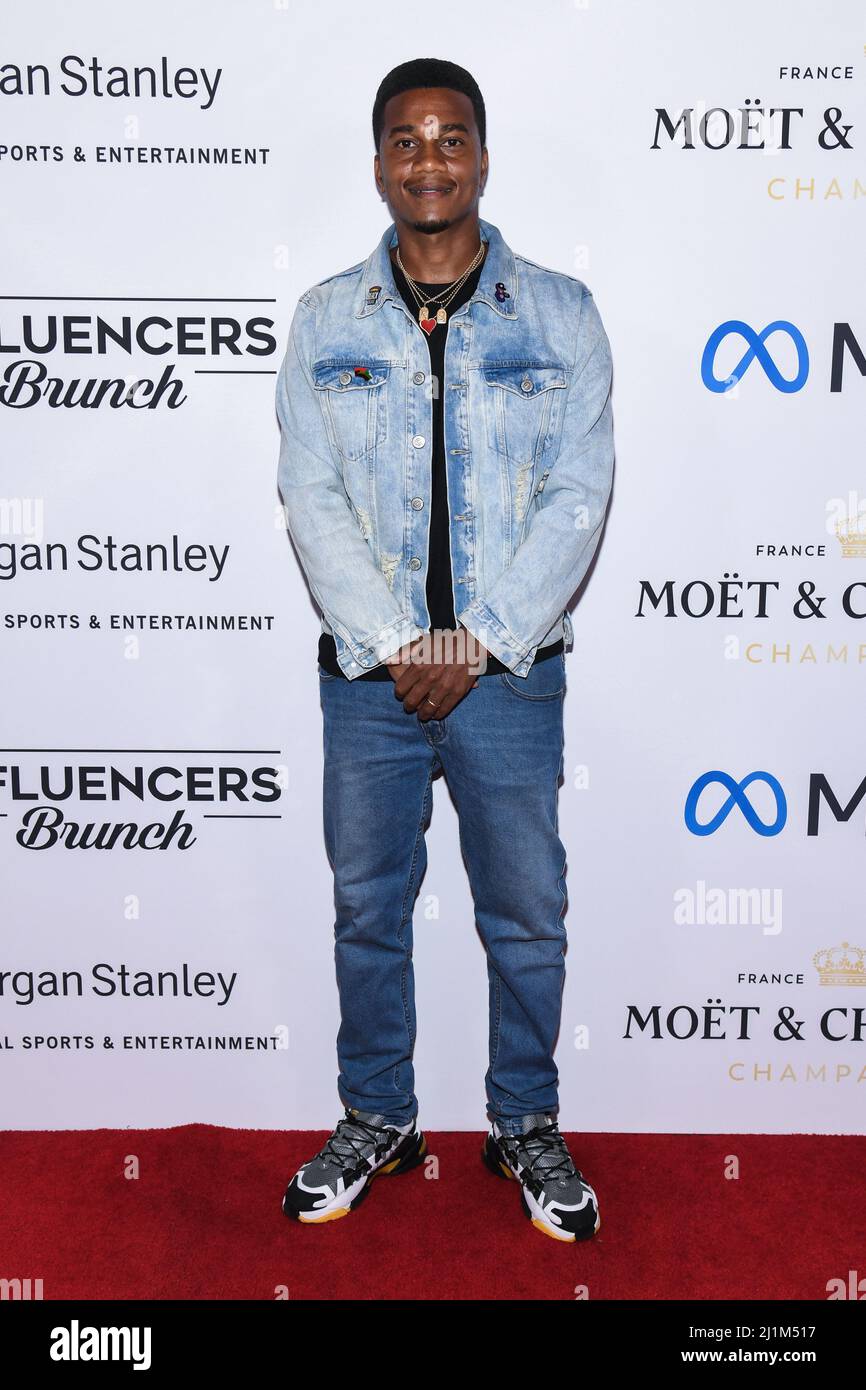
445, 464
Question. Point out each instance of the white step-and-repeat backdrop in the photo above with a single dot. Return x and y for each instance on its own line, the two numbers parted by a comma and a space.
173, 177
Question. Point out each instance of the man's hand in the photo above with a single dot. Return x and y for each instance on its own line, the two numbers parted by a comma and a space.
433, 673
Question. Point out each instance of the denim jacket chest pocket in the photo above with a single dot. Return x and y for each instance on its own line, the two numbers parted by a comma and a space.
522, 407
353, 405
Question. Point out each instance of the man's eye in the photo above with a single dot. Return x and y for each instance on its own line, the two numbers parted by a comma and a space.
453, 140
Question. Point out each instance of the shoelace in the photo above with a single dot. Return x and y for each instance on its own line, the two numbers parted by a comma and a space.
545, 1142
343, 1144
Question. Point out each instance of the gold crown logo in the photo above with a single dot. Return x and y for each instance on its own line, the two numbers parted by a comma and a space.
841, 965
851, 539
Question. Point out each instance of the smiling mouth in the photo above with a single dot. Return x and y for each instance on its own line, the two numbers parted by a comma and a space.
428, 190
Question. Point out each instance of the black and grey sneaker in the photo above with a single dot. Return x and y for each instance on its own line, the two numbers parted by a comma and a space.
338, 1177
556, 1197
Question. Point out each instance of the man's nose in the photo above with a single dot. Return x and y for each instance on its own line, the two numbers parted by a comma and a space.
429, 157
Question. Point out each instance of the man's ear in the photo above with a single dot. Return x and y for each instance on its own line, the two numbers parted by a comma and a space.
485, 169
377, 175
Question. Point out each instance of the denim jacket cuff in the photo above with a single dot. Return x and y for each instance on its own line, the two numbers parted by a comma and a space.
494, 635
386, 642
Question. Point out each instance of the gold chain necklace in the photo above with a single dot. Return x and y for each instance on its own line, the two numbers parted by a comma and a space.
446, 295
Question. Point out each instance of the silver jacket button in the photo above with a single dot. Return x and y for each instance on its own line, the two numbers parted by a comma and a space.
526, 384
414, 563
419, 441
345, 378
418, 378
417, 503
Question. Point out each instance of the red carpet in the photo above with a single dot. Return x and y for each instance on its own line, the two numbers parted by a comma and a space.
203, 1220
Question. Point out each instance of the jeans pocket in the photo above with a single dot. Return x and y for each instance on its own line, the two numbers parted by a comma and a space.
545, 680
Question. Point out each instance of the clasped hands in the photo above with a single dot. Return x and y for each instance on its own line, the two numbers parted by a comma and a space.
432, 674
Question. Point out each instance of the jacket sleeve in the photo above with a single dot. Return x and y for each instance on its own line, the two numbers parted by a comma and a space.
344, 579
562, 535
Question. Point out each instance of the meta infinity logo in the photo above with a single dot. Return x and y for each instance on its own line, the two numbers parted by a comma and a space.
822, 802
736, 797
844, 343
755, 349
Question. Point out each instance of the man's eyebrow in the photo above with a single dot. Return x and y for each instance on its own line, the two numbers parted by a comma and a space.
443, 129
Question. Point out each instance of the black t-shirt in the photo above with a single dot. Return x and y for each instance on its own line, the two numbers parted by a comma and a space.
439, 590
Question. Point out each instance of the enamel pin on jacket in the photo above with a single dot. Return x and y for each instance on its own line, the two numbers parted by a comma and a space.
528, 445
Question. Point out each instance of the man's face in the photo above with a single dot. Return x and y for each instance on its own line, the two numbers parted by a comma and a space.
430, 168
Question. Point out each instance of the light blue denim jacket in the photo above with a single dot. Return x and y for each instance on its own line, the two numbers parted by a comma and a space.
528, 447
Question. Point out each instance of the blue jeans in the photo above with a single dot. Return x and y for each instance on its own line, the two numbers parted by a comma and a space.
501, 752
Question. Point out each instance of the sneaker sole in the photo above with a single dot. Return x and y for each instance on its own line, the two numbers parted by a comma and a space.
493, 1160
402, 1163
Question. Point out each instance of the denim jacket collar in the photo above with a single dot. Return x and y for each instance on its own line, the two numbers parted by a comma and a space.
498, 268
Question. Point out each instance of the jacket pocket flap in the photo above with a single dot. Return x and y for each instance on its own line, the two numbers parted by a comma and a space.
329, 375
526, 380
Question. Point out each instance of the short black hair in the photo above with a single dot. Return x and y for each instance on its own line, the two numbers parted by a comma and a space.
429, 72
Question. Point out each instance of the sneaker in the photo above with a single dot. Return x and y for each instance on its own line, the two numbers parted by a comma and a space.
338, 1177
556, 1197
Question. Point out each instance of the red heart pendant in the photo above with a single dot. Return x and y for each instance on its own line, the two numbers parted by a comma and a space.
428, 325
